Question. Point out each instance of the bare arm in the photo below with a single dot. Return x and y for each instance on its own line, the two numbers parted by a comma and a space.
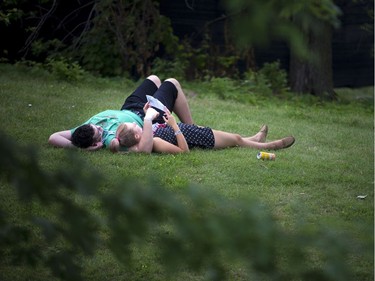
166, 147
146, 142
181, 141
61, 139
171, 121
64, 139
163, 146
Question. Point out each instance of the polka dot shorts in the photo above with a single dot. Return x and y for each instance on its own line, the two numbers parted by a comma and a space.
196, 137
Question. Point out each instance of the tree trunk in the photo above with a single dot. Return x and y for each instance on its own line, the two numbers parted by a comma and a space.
314, 76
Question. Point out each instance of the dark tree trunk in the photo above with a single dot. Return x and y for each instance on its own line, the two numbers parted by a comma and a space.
314, 76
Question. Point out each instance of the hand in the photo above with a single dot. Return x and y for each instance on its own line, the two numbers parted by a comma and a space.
95, 146
169, 118
147, 106
151, 114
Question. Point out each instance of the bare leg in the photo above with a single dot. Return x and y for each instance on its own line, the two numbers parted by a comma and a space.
155, 79
181, 106
260, 136
224, 140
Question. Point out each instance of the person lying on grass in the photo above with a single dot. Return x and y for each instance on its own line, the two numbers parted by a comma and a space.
170, 137
99, 131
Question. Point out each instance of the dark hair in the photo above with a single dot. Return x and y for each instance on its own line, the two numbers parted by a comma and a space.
83, 136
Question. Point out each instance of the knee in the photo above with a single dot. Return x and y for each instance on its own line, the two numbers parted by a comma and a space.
238, 138
174, 82
155, 80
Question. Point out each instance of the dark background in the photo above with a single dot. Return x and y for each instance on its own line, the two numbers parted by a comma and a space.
352, 46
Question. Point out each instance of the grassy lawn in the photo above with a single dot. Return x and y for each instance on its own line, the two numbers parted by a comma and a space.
315, 182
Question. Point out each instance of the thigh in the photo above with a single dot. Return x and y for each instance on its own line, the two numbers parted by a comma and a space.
198, 137
225, 139
139, 95
167, 94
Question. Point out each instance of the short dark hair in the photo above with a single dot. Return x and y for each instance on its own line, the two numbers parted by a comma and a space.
83, 136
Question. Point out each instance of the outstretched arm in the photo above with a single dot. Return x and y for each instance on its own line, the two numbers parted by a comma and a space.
61, 139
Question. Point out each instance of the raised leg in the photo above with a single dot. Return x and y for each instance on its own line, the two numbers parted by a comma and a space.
181, 106
155, 79
260, 136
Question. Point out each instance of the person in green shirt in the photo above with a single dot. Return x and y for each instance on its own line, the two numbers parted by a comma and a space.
100, 130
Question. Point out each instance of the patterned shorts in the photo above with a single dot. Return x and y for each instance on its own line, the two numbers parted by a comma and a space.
196, 137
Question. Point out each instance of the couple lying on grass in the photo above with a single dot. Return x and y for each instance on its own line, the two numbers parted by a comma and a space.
140, 127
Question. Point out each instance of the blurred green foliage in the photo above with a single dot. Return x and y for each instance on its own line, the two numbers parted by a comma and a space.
258, 22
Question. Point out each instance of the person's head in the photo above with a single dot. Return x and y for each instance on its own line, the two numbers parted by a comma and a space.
127, 135
87, 135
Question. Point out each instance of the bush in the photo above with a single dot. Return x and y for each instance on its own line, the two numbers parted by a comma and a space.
276, 77
64, 70
166, 68
269, 80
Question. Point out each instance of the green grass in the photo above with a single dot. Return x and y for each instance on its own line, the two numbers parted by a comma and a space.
316, 181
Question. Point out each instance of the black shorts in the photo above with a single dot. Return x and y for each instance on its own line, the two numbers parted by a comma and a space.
167, 94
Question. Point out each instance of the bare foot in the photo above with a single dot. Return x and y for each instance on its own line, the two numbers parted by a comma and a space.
263, 133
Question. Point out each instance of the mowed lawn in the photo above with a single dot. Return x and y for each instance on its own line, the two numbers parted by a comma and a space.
317, 181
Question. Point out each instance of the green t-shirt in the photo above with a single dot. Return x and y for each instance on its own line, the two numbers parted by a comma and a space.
109, 120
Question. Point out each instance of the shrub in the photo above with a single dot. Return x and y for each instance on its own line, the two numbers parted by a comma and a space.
276, 77
65, 70
269, 80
